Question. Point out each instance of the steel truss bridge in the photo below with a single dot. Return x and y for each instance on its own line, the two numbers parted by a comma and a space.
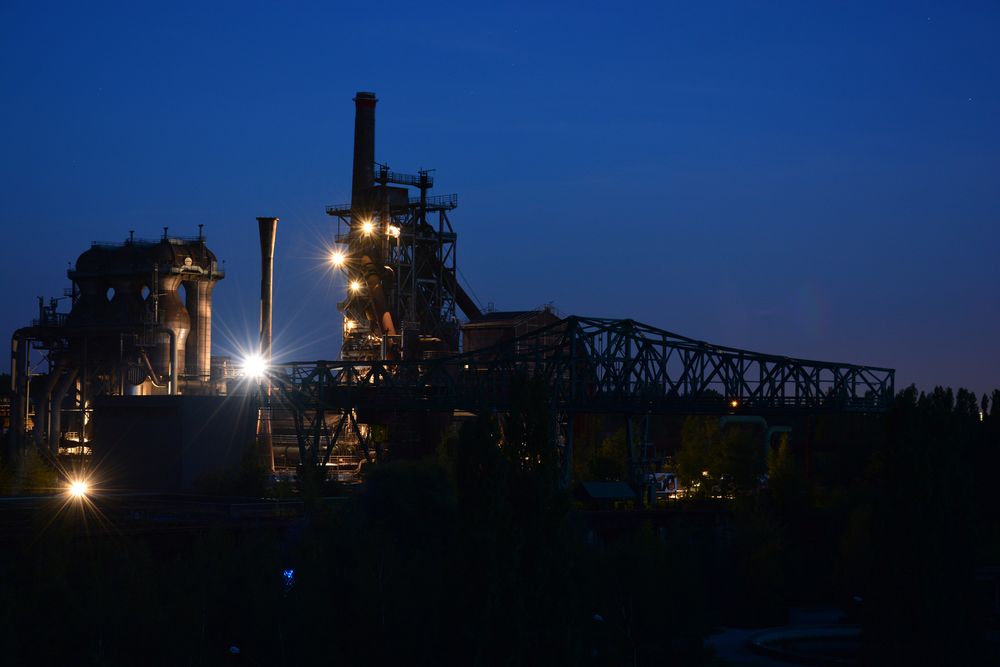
590, 366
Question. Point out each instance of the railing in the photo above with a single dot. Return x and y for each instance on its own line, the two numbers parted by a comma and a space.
50, 320
437, 202
175, 240
385, 176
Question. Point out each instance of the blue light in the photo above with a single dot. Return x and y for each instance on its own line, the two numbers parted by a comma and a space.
289, 578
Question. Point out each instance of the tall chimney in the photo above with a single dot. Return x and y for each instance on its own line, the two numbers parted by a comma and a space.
268, 228
364, 151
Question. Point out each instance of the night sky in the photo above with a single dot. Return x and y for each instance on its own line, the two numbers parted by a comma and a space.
810, 179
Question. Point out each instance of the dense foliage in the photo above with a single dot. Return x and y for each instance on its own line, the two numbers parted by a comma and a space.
479, 556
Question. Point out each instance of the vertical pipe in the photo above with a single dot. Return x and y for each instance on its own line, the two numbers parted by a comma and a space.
268, 228
198, 352
172, 352
364, 151
205, 332
19, 346
174, 371
55, 415
42, 410
191, 347
174, 316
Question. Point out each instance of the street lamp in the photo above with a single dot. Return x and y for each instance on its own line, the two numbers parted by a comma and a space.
254, 366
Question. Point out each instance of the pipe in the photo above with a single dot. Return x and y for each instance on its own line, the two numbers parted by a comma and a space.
42, 411
173, 315
363, 177
268, 228
373, 279
150, 371
198, 362
55, 414
174, 373
19, 345
466, 303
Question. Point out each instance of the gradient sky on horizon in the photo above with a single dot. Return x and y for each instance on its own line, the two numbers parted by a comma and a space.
818, 180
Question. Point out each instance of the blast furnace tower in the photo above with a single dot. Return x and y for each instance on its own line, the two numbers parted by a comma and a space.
398, 249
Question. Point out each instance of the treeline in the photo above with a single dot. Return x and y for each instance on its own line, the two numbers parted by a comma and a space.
475, 558
888, 517
478, 557
932, 515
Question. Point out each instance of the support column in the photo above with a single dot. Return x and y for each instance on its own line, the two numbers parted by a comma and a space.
55, 415
198, 354
43, 406
19, 346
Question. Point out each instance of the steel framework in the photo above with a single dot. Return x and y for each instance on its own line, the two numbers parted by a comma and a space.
591, 366
416, 242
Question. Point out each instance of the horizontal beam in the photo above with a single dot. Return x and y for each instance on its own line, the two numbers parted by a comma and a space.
595, 365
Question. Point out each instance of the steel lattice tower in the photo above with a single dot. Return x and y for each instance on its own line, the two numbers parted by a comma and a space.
400, 258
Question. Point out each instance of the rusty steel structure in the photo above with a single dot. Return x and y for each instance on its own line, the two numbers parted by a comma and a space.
400, 257
591, 366
403, 373
128, 332
402, 356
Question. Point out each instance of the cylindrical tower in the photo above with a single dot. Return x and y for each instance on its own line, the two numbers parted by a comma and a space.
198, 356
92, 285
126, 307
268, 227
173, 315
364, 152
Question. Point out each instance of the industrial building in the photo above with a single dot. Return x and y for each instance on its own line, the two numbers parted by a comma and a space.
131, 379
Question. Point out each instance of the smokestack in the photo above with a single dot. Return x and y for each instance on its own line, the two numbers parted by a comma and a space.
268, 228
364, 151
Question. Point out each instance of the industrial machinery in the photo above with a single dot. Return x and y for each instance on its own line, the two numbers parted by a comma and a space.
128, 333
407, 367
402, 370
400, 258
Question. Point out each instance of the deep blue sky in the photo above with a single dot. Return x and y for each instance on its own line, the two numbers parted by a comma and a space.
810, 179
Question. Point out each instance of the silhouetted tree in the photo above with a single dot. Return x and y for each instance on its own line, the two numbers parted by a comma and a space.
788, 489
918, 608
609, 462
714, 461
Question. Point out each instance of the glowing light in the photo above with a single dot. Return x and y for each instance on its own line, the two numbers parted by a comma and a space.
337, 258
79, 488
367, 227
393, 231
355, 286
254, 366
734, 403
349, 325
